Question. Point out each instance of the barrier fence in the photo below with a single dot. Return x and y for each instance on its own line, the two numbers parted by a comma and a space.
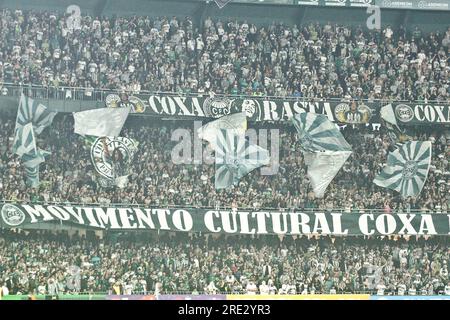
257, 108
96, 94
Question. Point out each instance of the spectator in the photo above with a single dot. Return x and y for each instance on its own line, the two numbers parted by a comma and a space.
172, 55
32, 262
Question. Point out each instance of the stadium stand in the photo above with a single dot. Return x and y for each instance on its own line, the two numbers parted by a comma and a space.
142, 54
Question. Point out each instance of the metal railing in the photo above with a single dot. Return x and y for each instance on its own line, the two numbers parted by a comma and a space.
37, 91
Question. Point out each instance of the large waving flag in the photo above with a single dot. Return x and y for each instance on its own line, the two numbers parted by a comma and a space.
32, 119
32, 174
236, 157
103, 122
407, 168
111, 158
324, 148
34, 160
317, 133
24, 140
237, 123
30, 111
31, 164
323, 167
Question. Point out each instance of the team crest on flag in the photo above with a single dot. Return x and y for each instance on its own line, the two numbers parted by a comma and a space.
111, 158
407, 168
236, 157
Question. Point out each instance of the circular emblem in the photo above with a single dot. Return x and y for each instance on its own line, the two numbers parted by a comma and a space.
387, 3
404, 112
112, 100
110, 154
410, 169
422, 4
216, 107
307, 141
232, 161
12, 215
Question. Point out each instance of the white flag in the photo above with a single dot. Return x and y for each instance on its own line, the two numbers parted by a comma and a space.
101, 122
323, 167
387, 114
236, 122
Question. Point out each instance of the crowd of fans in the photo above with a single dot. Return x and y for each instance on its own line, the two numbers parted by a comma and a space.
52, 264
174, 55
69, 176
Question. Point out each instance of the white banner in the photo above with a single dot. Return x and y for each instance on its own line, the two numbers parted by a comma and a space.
103, 122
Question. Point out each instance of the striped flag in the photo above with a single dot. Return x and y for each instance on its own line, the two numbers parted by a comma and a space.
324, 148
317, 133
24, 140
407, 168
34, 160
34, 112
32, 118
32, 174
235, 158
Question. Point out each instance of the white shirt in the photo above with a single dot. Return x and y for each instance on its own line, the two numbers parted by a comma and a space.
264, 289
401, 290
41, 289
128, 289
272, 289
388, 32
251, 288
5, 291
380, 289
447, 290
